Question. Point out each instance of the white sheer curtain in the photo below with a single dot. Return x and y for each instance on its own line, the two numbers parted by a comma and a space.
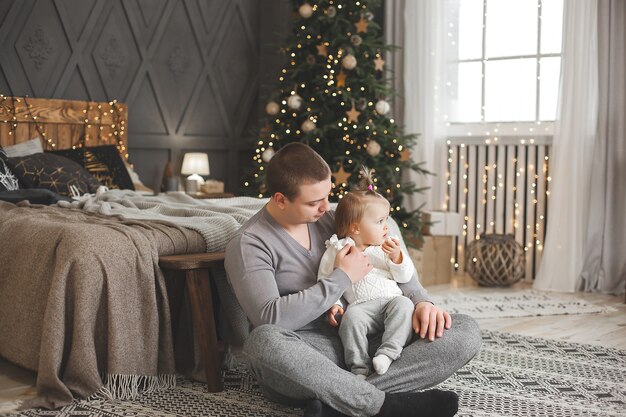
573, 143
423, 88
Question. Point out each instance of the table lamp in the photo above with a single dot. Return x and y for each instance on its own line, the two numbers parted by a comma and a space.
195, 164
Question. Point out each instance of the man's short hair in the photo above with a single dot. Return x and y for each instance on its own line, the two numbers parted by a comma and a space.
293, 165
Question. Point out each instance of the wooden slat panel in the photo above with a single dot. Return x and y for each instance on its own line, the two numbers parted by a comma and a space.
64, 122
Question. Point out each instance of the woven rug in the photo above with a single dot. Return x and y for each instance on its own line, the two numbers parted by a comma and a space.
512, 375
516, 303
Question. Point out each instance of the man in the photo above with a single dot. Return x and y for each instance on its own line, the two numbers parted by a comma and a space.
293, 352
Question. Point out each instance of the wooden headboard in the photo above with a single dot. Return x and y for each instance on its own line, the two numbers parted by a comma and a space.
63, 124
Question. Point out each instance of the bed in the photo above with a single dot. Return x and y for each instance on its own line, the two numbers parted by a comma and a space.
84, 303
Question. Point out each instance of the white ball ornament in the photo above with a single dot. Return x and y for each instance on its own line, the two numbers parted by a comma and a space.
272, 108
294, 102
268, 154
373, 148
382, 107
349, 62
305, 10
308, 126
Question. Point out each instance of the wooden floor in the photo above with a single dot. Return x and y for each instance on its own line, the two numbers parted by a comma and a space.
605, 329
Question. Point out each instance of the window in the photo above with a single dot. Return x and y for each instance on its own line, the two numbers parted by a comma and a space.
503, 63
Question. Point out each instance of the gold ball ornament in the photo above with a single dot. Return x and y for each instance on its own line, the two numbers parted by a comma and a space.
308, 126
268, 154
272, 108
382, 107
349, 62
306, 10
373, 148
294, 102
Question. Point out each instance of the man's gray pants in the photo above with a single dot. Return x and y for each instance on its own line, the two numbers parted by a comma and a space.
391, 317
293, 367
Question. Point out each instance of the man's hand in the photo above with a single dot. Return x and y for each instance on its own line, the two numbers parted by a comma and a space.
353, 262
332, 313
393, 249
429, 320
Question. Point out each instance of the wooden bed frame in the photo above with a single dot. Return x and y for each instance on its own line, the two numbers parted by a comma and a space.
63, 124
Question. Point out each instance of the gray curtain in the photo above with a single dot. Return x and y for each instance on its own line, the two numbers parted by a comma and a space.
604, 264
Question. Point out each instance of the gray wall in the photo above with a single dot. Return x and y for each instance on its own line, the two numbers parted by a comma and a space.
194, 73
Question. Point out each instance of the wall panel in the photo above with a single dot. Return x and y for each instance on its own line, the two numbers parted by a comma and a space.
190, 71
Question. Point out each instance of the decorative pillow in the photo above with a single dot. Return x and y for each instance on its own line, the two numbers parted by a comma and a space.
34, 195
103, 162
54, 172
24, 148
134, 177
8, 181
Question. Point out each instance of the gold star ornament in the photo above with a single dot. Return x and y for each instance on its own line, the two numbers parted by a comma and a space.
353, 115
361, 25
379, 63
341, 176
322, 50
341, 79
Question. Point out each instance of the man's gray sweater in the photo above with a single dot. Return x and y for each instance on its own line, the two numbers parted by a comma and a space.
275, 278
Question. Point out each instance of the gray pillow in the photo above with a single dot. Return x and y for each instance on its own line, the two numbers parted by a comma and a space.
24, 148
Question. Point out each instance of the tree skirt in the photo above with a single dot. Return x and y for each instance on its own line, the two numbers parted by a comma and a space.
513, 375
516, 303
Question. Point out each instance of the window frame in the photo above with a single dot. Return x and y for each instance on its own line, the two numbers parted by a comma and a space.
505, 128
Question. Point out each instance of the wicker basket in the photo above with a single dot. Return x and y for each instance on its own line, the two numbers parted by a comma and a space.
495, 260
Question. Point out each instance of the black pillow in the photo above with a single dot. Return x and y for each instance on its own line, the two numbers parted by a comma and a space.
34, 195
8, 181
103, 162
54, 172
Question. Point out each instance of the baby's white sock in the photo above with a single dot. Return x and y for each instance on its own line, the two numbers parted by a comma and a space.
381, 363
361, 376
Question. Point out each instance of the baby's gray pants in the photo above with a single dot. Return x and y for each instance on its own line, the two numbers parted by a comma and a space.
391, 317
293, 367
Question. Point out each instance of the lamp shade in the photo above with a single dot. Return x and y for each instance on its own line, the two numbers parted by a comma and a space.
195, 163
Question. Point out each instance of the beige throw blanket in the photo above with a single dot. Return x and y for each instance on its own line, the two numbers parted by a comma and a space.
83, 301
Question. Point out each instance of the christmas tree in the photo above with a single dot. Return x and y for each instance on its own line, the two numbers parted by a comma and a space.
332, 95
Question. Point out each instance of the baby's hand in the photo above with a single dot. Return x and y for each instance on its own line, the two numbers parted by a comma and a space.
333, 313
391, 247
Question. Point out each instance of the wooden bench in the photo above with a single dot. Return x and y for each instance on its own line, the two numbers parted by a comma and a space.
195, 270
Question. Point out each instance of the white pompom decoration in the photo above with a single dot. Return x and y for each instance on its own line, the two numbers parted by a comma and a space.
373, 148
306, 10
294, 102
272, 108
308, 126
382, 107
349, 62
268, 154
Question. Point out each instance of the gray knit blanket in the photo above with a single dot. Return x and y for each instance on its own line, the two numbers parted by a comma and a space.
216, 220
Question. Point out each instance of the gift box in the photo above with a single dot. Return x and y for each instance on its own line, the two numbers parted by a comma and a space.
433, 261
443, 223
